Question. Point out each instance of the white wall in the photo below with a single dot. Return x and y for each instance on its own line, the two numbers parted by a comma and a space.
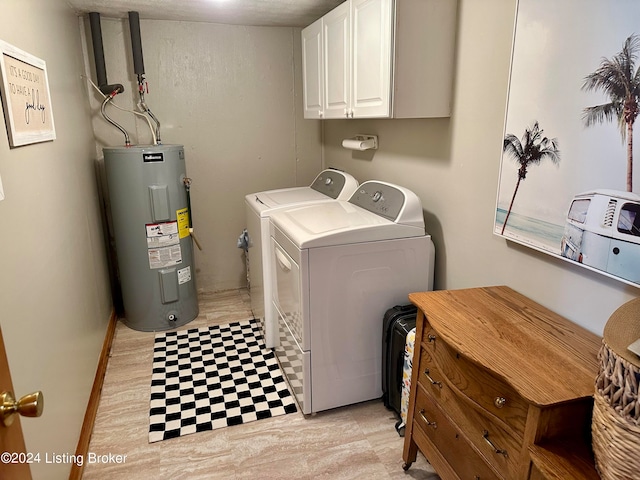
230, 95
54, 288
453, 165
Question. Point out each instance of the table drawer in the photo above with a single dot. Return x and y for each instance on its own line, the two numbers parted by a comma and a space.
478, 384
431, 422
493, 443
430, 376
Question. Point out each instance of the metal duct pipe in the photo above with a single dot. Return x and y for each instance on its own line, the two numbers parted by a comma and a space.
98, 54
136, 43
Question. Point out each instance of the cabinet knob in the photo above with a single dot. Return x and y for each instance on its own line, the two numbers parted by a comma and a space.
499, 402
431, 337
320, 113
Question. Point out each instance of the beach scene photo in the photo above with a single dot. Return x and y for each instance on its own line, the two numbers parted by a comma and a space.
566, 181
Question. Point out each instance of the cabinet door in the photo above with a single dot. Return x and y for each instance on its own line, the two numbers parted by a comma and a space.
371, 23
337, 62
312, 70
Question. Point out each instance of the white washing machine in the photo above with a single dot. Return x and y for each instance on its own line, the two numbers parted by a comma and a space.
329, 185
338, 267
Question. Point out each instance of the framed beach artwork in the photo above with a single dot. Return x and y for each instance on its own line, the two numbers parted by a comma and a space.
567, 185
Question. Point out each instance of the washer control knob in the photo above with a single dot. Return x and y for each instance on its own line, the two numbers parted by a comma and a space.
328, 181
377, 196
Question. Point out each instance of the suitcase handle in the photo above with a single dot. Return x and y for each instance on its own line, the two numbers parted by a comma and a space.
404, 308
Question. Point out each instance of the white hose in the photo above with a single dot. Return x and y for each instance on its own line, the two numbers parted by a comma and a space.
153, 134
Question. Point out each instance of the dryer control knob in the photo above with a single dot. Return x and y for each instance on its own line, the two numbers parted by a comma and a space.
377, 196
328, 181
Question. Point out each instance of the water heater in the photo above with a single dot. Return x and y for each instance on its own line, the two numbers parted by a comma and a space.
148, 192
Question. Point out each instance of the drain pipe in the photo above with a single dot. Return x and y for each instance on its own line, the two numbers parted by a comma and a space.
138, 68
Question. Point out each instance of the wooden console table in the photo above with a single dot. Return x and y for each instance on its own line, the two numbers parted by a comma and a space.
498, 383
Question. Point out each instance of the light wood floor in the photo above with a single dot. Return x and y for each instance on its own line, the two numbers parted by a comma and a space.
354, 442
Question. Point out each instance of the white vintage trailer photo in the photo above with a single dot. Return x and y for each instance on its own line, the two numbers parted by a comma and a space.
602, 231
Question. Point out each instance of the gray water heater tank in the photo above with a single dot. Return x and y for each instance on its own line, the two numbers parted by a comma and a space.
150, 214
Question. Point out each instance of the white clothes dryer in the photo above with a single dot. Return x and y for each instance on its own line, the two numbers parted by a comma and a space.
338, 267
328, 186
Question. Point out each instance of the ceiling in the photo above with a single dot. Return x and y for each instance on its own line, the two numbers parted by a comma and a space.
290, 13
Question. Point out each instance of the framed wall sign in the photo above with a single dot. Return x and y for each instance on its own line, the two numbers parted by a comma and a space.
25, 97
567, 185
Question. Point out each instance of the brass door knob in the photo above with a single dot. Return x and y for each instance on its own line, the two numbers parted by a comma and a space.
30, 405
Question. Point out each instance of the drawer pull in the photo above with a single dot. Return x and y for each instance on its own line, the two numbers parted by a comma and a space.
497, 450
431, 337
433, 382
426, 420
499, 402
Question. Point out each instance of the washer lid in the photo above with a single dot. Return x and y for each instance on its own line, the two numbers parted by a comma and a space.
285, 196
329, 185
337, 223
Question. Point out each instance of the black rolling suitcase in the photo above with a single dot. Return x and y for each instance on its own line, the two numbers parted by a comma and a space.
398, 322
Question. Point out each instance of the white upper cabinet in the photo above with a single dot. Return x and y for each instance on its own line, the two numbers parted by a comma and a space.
337, 64
381, 59
312, 66
371, 43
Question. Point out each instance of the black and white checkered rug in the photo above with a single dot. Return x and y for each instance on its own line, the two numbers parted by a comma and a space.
214, 377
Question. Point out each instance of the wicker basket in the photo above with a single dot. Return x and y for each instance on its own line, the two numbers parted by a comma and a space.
616, 413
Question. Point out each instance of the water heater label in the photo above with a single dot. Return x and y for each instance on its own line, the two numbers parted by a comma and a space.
153, 157
161, 229
162, 234
184, 275
183, 222
164, 241
165, 256
163, 244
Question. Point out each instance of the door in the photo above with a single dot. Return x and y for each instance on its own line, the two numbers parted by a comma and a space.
372, 40
286, 289
624, 250
11, 439
337, 62
312, 70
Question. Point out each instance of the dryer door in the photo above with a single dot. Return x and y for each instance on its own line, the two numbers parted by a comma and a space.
286, 291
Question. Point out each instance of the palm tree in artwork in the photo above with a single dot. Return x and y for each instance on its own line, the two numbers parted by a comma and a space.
620, 80
531, 150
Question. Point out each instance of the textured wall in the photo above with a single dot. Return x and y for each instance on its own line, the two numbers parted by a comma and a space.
229, 94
